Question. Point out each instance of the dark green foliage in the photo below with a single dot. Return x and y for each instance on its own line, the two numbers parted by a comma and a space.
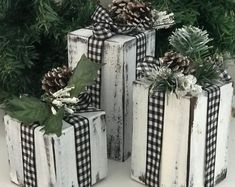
215, 16
33, 39
206, 73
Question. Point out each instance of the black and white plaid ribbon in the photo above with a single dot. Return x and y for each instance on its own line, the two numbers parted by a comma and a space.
213, 92
156, 104
82, 148
104, 28
28, 154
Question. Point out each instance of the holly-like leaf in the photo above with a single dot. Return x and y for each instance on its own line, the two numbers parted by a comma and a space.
84, 75
54, 123
27, 109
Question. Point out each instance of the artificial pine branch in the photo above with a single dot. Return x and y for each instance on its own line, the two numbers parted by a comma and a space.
191, 41
33, 39
215, 16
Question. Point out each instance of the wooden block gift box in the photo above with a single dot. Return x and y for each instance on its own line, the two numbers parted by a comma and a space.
175, 153
77, 158
119, 56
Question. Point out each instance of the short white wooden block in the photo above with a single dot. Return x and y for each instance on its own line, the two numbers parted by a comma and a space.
118, 73
55, 156
183, 158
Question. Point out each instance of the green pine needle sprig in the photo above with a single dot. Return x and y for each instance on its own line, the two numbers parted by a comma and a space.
191, 41
207, 73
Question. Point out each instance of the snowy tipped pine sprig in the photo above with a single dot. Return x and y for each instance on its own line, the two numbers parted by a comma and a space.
162, 19
189, 67
164, 79
191, 41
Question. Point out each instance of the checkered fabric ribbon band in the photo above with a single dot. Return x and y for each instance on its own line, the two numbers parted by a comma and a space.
82, 147
213, 92
104, 28
28, 154
140, 47
145, 67
156, 105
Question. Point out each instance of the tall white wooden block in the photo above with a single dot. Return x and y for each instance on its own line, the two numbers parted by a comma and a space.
118, 73
184, 134
55, 156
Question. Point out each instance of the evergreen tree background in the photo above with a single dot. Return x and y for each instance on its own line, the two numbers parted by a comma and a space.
215, 16
33, 33
33, 39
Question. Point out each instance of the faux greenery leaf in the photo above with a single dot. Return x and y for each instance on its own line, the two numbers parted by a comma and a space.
54, 123
84, 75
27, 109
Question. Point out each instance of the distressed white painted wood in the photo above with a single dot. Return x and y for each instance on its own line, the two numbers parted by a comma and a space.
55, 156
198, 136
175, 145
13, 137
118, 73
183, 153
139, 142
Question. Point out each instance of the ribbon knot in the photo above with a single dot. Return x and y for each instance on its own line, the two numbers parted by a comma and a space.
104, 26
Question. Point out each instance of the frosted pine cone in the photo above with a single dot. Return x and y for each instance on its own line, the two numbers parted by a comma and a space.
132, 13
56, 79
177, 62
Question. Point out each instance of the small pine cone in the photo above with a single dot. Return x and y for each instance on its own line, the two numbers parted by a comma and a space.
177, 62
132, 13
56, 79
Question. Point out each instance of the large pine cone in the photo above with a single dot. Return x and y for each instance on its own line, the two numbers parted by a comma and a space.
177, 62
56, 79
132, 13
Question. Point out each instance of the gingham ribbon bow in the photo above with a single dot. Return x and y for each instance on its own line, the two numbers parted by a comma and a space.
84, 102
145, 67
104, 27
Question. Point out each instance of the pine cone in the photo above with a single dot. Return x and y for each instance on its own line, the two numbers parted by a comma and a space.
56, 79
177, 62
132, 13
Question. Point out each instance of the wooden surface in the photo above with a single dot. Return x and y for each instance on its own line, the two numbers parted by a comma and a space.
118, 73
184, 129
55, 156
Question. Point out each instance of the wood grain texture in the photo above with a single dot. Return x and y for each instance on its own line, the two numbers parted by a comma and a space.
223, 132
139, 145
197, 142
175, 142
55, 156
118, 73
